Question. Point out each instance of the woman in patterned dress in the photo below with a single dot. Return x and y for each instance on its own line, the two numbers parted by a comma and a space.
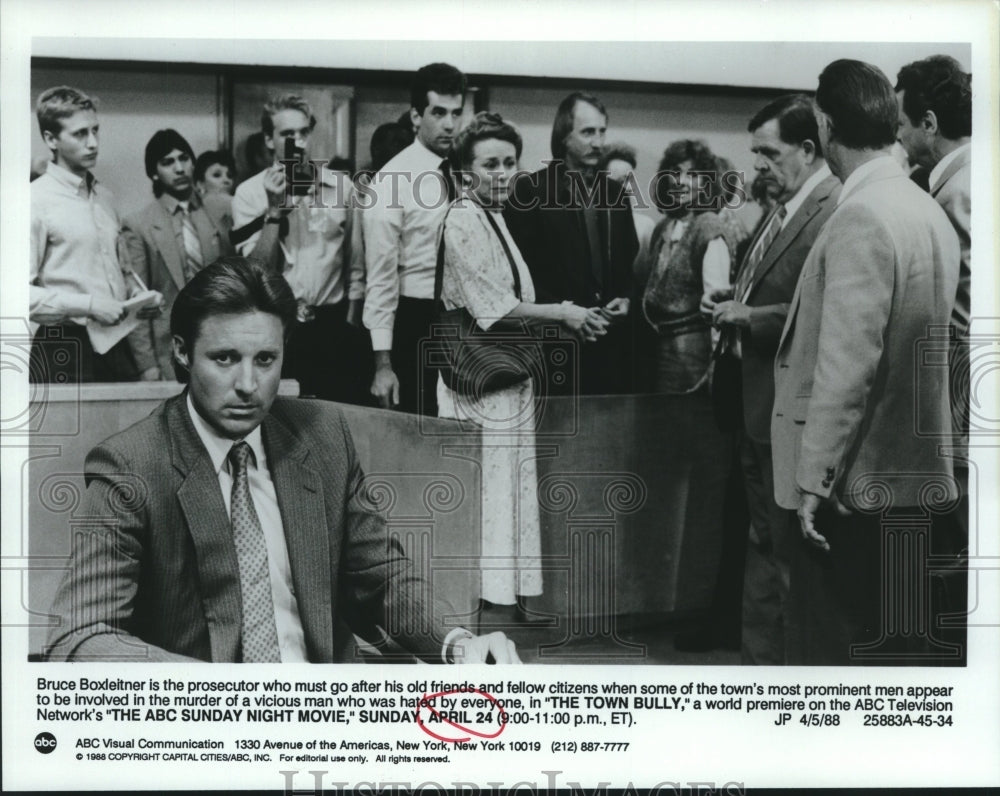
477, 275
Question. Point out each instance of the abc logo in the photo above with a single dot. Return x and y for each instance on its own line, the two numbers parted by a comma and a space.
45, 742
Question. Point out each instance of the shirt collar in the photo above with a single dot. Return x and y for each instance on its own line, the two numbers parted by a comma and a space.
803, 192
218, 447
65, 177
942, 164
862, 171
170, 203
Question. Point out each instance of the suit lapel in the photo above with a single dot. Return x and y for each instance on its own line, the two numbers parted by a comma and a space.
162, 230
303, 514
963, 159
810, 207
208, 236
205, 511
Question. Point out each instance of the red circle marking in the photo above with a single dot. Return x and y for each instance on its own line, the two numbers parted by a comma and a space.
425, 702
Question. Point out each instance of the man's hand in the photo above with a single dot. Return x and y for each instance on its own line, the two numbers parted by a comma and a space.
616, 309
586, 324
107, 311
150, 374
731, 313
151, 311
808, 506
385, 387
274, 186
491, 648
708, 302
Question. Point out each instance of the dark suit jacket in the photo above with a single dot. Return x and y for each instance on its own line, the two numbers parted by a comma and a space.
770, 295
157, 578
546, 222
158, 258
857, 410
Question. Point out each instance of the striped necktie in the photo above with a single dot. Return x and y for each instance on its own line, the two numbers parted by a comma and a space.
260, 633
193, 260
744, 280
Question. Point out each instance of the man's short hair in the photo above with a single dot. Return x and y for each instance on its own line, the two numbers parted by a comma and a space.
58, 103
796, 119
938, 84
229, 286
563, 124
483, 127
284, 102
208, 159
860, 102
443, 79
159, 146
617, 151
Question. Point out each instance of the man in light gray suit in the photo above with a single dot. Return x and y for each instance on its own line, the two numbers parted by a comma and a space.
233, 525
857, 421
168, 242
790, 161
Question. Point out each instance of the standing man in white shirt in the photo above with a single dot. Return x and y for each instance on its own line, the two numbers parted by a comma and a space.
789, 160
401, 226
79, 284
304, 232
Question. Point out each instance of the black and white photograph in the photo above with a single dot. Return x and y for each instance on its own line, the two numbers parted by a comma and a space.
641, 363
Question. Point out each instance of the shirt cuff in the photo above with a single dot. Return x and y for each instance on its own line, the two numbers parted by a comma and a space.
382, 339
453, 637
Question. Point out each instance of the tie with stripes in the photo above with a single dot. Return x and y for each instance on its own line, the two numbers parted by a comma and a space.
193, 260
260, 634
744, 280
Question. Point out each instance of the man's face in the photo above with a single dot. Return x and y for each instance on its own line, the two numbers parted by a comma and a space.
75, 147
235, 370
173, 173
584, 141
913, 137
783, 167
288, 123
437, 125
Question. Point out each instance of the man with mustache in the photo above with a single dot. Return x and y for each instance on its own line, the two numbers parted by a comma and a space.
573, 224
168, 242
233, 525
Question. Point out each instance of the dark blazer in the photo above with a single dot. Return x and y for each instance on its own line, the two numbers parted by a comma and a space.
157, 578
546, 222
158, 258
770, 295
857, 410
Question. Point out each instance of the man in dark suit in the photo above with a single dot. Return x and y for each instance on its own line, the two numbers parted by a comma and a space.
790, 162
935, 129
573, 225
235, 525
857, 422
168, 242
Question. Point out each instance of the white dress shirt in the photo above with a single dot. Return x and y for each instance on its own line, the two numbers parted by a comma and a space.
74, 247
291, 637
402, 216
320, 263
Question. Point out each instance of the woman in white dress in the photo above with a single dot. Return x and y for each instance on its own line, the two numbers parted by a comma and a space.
478, 275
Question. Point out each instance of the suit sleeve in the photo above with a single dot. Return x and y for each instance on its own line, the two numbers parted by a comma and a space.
95, 602
766, 323
525, 223
142, 339
378, 581
857, 296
